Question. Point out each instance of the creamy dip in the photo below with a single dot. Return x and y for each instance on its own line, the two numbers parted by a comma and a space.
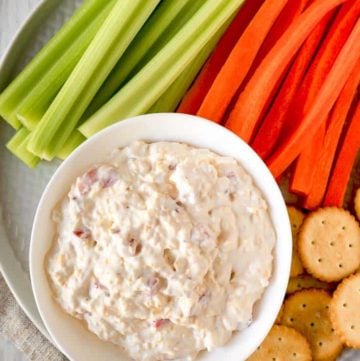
163, 250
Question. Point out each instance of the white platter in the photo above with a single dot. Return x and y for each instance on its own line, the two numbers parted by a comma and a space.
21, 188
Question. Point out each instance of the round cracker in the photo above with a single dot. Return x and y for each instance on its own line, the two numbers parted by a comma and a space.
283, 344
308, 312
306, 281
329, 244
279, 315
344, 311
357, 204
296, 219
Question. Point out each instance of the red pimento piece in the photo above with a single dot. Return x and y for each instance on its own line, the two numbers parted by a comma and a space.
82, 232
108, 176
87, 180
161, 322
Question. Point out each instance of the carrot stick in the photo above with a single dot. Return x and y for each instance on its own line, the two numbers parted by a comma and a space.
288, 14
196, 94
245, 115
276, 120
328, 94
336, 123
344, 163
303, 171
306, 163
232, 74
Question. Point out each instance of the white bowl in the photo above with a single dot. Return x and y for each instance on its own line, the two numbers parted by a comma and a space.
70, 335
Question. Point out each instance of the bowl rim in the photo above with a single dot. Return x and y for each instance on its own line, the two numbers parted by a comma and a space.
268, 187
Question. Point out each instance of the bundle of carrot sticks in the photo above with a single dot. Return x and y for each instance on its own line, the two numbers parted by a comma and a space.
285, 78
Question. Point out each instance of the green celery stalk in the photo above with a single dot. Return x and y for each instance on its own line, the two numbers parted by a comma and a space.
17, 146
163, 24
146, 87
109, 44
167, 102
171, 98
34, 106
18, 89
75, 139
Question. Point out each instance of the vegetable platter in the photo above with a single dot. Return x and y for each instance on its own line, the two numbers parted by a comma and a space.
283, 75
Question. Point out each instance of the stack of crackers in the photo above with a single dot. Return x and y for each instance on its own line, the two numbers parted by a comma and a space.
321, 312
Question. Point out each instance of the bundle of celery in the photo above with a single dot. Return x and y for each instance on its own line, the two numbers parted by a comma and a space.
72, 38
143, 90
111, 60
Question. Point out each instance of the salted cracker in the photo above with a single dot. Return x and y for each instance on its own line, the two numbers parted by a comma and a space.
306, 281
283, 344
357, 204
308, 312
296, 219
329, 244
345, 311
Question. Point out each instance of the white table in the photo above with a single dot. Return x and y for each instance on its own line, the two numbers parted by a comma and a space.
12, 14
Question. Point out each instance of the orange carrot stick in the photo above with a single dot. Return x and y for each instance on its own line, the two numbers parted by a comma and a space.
328, 94
276, 120
245, 116
344, 163
336, 123
232, 74
306, 163
288, 14
196, 94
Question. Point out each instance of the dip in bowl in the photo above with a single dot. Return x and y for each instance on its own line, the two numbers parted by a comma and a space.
202, 301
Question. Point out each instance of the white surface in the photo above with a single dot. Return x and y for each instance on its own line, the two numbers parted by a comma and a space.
12, 14
8, 352
69, 334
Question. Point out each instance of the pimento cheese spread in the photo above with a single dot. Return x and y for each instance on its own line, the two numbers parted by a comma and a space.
163, 250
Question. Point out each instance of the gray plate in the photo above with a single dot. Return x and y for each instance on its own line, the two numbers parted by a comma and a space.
20, 187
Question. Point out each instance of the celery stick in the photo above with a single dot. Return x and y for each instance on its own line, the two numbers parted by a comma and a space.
75, 139
12, 96
169, 101
34, 106
142, 91
17, 145
163, 24
111, 41
17, 139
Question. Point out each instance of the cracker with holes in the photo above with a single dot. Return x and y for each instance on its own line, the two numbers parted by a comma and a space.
296, 219
308, 312
344, 311
357, 204
283, 344
306, 281
329, 244
279, 315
